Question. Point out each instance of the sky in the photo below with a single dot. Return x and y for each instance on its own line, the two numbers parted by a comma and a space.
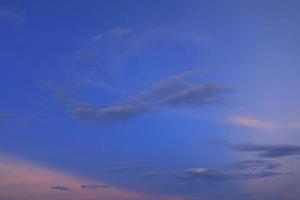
144, 100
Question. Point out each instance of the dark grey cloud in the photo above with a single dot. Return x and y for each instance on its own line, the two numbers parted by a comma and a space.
93, 186
269, 151
255, 165
60, 188
174, 92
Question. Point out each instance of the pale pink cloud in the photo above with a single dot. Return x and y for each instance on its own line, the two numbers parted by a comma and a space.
20, 180
252, 123
294, 125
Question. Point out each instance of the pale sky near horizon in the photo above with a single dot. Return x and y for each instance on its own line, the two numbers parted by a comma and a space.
144, 100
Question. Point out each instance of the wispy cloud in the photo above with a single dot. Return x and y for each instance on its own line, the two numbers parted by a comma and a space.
252, 123
173, 92
115, 32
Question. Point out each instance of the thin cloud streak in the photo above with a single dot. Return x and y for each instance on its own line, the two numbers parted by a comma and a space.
116, 32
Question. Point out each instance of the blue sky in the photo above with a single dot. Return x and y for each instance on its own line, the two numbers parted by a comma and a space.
171, 100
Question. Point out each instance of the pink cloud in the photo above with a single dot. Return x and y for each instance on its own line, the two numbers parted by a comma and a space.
252, 123
294, 125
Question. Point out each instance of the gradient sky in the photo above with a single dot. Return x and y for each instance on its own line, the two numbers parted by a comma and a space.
144, 100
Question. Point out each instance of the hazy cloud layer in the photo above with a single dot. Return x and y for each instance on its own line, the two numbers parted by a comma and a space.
175, 92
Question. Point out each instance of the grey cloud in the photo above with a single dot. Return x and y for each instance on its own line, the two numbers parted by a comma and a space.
270, 151
205, 174
217, 175
197, 95
61, 188
262, 150
174, 92
93, 187
109, 114
255, 165
263, 174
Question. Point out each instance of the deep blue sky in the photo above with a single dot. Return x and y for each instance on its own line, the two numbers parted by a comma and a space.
168, 100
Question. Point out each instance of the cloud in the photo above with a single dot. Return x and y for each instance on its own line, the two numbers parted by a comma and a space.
295, 125
93, 187
254, 165
270, 151
173, 92
61, 188
109, 114
217, 175
252, 123
198, 95
116, 32
206, 174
